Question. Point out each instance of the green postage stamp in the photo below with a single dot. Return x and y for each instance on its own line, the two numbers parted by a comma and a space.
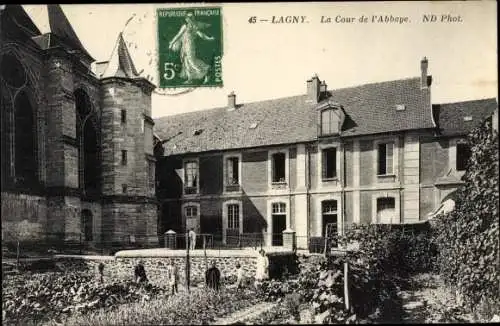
190, 47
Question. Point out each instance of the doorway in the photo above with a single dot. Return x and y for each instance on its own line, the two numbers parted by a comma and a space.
329, 219
278, 223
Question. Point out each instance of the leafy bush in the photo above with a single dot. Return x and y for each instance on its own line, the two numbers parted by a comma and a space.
468, 237
49, 295
198, 307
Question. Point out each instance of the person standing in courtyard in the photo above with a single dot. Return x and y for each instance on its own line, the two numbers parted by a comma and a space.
262, 270
239, 276
192, 239
140, 273
100, 269
173, 277
212, 277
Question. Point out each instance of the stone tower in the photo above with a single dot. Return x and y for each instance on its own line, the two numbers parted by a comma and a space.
129, 209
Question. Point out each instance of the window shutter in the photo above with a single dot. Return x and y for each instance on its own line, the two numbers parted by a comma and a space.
323, 164
334, 162
389, 162
229, 175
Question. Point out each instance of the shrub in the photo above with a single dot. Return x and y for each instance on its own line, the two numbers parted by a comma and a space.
468, 237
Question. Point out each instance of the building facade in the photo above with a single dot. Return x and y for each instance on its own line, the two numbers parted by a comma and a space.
375, 153
77, 142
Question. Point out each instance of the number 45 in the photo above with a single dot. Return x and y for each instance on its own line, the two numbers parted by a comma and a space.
169, 73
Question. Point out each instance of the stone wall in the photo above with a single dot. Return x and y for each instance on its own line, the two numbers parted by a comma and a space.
23, 216
156, 267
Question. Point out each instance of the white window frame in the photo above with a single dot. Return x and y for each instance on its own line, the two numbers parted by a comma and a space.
187, 160
225, 216
397, 205
226, 157
197, 216
270, 154
395, 156
269, 231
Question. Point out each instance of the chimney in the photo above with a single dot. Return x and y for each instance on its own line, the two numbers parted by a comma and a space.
231, 101
322, 88
423, 69
313, 89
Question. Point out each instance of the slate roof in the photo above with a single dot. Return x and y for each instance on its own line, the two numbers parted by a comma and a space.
120, 63
60, 26
450, 116
370, 109
61, 32
19, 16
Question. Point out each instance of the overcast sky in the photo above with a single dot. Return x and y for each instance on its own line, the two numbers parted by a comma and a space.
264, 61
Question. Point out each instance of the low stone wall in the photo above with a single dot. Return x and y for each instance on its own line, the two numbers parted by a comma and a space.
121, 266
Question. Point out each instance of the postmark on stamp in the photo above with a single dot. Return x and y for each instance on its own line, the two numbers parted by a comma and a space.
190, 47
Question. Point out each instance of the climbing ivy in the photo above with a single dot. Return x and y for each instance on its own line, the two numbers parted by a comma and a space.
468, 237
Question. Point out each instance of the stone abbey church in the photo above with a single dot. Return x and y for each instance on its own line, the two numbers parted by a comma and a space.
80, 159
77, 145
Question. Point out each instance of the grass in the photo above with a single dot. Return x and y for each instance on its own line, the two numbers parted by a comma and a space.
200, 306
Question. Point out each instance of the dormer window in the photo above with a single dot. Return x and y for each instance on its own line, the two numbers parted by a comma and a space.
329, 122
330, 117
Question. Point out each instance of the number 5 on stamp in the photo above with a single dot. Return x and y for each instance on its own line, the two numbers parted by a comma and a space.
190, 47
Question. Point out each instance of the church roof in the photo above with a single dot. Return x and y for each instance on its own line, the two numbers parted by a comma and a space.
23, 21
120, 63
369, 108
60, 26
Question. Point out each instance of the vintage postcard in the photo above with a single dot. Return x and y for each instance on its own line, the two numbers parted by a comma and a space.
249, 163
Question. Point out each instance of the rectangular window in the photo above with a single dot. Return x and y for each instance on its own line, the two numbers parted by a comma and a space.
151, 174
124, 188
385, 158
233, 216
233, 171
463, 156
191, 211
278, 168
124, 116
124, 157
329, 163
279, 208
191, 177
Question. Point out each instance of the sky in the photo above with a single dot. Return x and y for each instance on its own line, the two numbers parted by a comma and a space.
264, 61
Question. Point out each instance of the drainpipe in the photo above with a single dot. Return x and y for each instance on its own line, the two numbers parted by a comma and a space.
308, 186
344, 183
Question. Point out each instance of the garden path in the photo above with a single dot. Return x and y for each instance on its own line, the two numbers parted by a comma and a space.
245, 314
426, 300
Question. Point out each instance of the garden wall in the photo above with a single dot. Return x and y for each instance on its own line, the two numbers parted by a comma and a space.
122, 267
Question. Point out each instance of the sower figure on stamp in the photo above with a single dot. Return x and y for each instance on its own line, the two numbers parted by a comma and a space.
192, 239
184, 41
140, 273
212, 277
173, 277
